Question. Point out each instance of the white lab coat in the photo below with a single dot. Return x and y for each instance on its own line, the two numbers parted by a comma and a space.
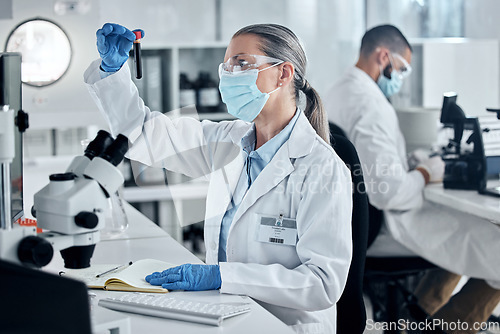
305, 181
458, 242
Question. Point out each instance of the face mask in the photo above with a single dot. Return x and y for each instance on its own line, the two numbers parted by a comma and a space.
390, 86
240, 94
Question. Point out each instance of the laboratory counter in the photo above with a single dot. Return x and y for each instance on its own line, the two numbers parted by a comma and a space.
144, 239
466, 201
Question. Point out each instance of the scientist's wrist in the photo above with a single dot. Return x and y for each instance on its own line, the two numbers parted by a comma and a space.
425, 173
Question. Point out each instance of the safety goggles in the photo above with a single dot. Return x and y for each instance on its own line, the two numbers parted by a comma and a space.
246, 62
405, 69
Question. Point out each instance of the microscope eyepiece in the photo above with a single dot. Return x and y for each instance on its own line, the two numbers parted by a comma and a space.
115, 152
97, 146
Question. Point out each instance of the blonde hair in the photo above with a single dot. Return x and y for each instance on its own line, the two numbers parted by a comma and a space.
280, 42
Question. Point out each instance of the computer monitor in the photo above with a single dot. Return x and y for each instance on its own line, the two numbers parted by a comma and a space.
34, 301
10, 94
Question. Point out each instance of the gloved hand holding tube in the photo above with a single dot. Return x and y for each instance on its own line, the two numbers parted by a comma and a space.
114, 43
191, 277
432, 169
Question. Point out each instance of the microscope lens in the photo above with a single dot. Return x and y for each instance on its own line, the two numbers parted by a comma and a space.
115, 152
98, 145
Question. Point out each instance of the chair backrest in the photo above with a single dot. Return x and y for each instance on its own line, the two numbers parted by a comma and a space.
34, 301
351, 313
375, 215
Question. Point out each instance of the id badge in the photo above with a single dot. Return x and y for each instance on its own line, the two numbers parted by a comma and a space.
278, 230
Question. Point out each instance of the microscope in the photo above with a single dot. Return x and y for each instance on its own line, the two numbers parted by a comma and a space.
73, 205
464, 168
71, 208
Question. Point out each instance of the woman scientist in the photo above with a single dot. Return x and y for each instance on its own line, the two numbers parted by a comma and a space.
278, 211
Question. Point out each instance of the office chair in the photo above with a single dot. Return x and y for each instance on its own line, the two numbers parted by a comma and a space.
375, 216
34, 301
392, 275
351, 312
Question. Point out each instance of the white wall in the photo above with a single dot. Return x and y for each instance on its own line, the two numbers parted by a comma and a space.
481, 21
330, 31
453, 69
165, 22
67, 103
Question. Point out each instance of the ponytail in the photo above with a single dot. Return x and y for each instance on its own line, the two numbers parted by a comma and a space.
315, 112
280, 42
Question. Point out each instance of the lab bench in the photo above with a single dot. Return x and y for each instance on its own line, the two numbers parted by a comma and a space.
144, 239
465, 201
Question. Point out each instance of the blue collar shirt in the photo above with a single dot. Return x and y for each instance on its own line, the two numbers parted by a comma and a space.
255, 162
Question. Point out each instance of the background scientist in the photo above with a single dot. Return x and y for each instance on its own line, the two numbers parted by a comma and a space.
463, 245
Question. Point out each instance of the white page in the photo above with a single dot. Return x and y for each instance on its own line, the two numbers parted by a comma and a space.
134, 275
88, 275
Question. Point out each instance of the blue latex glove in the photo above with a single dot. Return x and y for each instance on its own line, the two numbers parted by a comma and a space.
195, 277
114, 43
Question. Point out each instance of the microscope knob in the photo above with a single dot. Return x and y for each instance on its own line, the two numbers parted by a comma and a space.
35, 251
22, 121
86, 219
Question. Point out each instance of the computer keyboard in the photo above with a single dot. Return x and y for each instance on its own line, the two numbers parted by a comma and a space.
166, 306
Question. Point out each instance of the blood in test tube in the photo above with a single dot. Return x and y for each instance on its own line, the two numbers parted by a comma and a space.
137, 55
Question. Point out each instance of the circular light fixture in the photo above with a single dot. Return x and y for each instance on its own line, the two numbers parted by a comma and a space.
45, 49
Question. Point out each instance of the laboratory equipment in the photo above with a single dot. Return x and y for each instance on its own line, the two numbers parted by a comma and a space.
493, 191
494, 110
187, 91
166, 306
73, 205
137, 54
208, 97
419, 126
465, 168
10, 93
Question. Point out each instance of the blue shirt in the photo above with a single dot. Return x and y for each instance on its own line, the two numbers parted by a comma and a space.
255, 162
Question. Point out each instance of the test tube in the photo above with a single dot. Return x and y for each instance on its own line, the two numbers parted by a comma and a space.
137, 55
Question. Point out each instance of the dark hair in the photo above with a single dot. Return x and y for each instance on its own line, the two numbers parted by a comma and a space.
385, 35
280, 42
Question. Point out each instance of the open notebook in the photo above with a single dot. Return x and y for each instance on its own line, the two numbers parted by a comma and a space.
128, 278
